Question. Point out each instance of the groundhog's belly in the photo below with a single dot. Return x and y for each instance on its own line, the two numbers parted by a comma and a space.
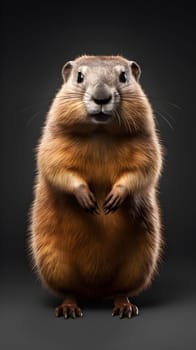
105, 254
99, 248
89, 253
104, 241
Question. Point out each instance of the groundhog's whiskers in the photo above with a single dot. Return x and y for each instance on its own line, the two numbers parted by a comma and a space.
127, 126
164, 118
117, 117
127, 118
132, 97
70, 97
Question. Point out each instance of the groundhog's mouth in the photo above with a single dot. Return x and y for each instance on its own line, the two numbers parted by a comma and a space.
101, 117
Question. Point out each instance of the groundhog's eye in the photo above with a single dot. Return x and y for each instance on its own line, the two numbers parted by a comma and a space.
80, 77
123, 77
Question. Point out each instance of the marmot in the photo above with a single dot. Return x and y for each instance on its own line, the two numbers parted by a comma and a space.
95, 221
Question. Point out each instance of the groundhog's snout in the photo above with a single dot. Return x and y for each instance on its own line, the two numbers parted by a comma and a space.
101, 95
101, 102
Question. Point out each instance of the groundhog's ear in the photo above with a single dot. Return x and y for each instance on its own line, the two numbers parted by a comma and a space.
136, 70
66, 70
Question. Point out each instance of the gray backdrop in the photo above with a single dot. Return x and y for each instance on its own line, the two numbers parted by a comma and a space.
36, 42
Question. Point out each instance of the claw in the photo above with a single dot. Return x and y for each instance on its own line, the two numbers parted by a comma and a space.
114, 199
86, 199
68, 310
92, 210
79, 312
73, 314
129, 314
57, 312
125, 309
121, 313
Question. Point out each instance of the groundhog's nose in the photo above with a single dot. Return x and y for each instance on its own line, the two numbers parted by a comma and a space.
101, 96
102, 101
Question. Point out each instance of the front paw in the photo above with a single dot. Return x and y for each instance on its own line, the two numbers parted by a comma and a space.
115, 198
86, 199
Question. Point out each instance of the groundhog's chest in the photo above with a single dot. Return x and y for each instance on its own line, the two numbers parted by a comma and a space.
100, 160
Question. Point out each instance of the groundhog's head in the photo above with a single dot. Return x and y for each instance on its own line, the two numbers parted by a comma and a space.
101, 90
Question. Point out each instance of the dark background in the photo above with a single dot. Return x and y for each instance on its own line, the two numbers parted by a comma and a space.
35, 44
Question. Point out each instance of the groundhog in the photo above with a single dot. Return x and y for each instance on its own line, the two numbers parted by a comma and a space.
95, 227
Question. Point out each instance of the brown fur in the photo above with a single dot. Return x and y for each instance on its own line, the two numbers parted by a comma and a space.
97, 255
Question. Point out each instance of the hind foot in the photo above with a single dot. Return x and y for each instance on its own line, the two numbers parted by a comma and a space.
68, 308
124, 308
